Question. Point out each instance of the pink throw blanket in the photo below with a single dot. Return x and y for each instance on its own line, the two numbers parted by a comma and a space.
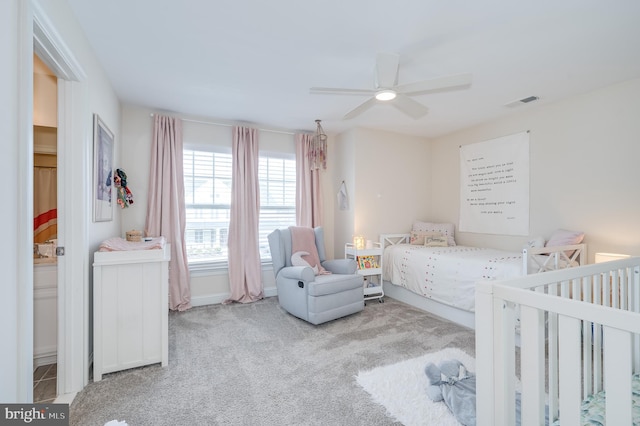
304, 240
120, 244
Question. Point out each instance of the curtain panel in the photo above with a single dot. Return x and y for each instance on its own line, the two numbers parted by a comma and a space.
45, 201
245, 275
166, 214
308, 189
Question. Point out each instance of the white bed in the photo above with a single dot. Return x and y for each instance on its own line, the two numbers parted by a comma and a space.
442, 280
580, 335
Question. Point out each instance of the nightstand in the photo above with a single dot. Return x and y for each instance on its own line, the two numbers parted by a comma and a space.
370, 266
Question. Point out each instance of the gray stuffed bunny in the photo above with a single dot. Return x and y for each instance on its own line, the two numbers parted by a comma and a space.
452, 383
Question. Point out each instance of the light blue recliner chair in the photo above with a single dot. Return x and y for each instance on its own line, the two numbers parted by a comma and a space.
315, 298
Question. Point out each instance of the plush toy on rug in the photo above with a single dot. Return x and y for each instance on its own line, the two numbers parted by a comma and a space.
451, 383
125, 198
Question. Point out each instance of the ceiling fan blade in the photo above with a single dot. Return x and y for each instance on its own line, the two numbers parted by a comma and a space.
360, 109
409, 106
387, 70
440, 83
338, 91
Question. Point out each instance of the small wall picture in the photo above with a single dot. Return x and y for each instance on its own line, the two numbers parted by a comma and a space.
103, 146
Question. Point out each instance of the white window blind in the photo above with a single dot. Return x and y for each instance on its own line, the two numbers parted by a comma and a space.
277, 178
207, 180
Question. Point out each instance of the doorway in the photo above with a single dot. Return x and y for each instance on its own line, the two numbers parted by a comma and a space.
43, 40
45, 232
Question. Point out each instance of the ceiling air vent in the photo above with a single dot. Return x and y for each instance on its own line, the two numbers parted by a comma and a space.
526, 100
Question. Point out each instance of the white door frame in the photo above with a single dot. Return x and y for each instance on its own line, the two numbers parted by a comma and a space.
73, 136
24, 245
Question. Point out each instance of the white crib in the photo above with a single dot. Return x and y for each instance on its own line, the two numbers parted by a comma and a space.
579, 333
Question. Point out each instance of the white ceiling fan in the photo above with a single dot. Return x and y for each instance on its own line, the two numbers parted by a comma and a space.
388, 90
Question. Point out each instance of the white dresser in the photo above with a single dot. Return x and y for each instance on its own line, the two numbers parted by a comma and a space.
130, 309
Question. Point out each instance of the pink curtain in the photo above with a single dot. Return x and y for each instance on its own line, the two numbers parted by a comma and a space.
308, 190
165, 208
245, 277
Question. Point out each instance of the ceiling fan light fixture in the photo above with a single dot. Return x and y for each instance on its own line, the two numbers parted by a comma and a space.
385, 95
386, 89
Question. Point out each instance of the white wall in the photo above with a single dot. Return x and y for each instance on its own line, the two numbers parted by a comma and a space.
584, 169
10, 366
389, 183
341, 161
137, 130
45, 95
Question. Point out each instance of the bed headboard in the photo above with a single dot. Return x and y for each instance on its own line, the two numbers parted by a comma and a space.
393, 239
544, 259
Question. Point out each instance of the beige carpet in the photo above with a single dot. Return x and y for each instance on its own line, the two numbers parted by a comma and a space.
255, 364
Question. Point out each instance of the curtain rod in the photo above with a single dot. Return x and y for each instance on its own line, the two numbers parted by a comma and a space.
213, 123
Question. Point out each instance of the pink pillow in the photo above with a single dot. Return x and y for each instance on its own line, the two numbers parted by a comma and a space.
562, 237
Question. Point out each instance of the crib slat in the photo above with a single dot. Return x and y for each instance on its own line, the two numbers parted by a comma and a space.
606, 290
587, 348
624, 297
615, 287
532, 366
634, 297
553, 365
486, 346
617, 358
564, 289
570, 373
505, 376
597, 336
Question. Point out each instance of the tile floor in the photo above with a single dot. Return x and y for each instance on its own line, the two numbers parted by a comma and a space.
44, 383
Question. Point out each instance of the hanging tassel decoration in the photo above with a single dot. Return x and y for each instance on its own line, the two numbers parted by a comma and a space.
125, 198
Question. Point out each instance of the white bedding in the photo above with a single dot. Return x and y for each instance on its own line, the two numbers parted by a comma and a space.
447, 274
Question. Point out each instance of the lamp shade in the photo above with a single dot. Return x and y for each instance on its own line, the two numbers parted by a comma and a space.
607, 257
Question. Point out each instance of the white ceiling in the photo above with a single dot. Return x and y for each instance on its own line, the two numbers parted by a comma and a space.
255, 61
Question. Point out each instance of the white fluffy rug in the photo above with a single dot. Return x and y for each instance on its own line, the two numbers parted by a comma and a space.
401, 389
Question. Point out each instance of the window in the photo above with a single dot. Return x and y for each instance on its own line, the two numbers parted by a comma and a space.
207, 181
277, 178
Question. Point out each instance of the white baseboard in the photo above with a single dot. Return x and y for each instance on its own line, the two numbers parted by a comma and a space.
66, 398
216, 299
450, 313
45, 358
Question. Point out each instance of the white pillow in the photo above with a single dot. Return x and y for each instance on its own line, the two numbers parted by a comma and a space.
297, 260
446, 229
436, 241
535, 243
418, 237
562, 237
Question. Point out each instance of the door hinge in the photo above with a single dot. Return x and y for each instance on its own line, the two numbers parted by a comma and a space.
59, 251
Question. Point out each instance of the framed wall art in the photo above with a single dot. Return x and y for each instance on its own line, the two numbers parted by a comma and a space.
103, 147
